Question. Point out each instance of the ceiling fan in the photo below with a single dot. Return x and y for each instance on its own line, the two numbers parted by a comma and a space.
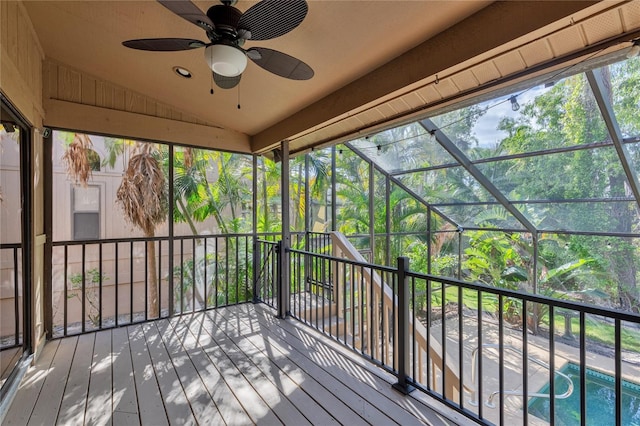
228, 29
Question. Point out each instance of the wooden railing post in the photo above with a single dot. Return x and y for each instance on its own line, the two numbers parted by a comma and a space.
403, 328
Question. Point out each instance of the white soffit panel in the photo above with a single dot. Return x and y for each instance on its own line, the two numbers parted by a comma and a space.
486, 72
509, 63
630, 15
387, 110
399, 105
567, 40
465, 80
536, 52
603, 26
429, 94
446, 88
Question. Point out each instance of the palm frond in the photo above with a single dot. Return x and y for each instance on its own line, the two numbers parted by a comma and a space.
142, 192
76, 159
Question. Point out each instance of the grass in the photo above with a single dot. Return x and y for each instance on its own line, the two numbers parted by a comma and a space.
595, 330
604, 333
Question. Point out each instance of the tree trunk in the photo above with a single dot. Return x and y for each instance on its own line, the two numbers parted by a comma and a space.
265, 199
299, 199
153, 304
225, 175
186, 215
626, 274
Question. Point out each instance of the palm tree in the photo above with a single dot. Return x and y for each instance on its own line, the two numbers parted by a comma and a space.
76, 158
269, 180
191, 189
143, 198
316, 164
196, 198
232, 186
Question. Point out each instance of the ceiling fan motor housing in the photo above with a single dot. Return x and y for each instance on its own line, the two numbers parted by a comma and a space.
225, 18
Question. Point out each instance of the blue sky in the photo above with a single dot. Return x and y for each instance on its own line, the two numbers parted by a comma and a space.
485, 128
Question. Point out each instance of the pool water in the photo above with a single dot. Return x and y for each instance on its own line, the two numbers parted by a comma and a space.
600, 400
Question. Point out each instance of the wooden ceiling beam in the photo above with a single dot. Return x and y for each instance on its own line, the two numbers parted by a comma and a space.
105, 121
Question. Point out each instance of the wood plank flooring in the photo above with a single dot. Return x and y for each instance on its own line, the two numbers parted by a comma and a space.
8, 359
236, 366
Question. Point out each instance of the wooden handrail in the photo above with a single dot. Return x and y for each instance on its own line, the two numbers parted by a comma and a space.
343, 248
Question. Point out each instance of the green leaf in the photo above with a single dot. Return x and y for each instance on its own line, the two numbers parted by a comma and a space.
514, 273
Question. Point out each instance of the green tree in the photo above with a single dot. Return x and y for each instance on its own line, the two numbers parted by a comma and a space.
568, 115
269, 202
197, 197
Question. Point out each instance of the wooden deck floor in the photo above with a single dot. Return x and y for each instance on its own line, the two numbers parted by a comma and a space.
237, 365
8, 359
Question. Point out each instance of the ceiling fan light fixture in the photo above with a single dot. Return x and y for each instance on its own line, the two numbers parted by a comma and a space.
228, 61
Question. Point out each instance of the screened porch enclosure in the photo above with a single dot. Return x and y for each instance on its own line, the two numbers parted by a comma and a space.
476, 254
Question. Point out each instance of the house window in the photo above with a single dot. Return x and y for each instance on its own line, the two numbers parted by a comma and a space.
86, 213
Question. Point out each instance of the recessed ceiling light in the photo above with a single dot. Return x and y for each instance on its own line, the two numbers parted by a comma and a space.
182, 72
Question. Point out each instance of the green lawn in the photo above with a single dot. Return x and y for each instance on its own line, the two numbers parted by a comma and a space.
595, 329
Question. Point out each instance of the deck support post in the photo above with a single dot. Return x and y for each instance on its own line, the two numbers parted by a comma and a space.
170, 240
285, 243
403, 328
254, 227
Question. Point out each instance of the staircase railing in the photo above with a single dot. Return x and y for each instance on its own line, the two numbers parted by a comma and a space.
356, 302
343, 248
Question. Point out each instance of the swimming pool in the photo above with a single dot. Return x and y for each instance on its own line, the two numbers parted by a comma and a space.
600, 400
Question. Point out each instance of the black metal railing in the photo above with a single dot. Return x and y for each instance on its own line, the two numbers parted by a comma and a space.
318, 242
11, 295
346, 300
493, 354
98, 284
492, 341
214, 271
267, 255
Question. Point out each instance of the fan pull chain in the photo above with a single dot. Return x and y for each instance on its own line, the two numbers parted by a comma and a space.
212, 83
238, 96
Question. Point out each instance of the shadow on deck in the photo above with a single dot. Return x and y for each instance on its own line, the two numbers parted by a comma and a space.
235, 365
